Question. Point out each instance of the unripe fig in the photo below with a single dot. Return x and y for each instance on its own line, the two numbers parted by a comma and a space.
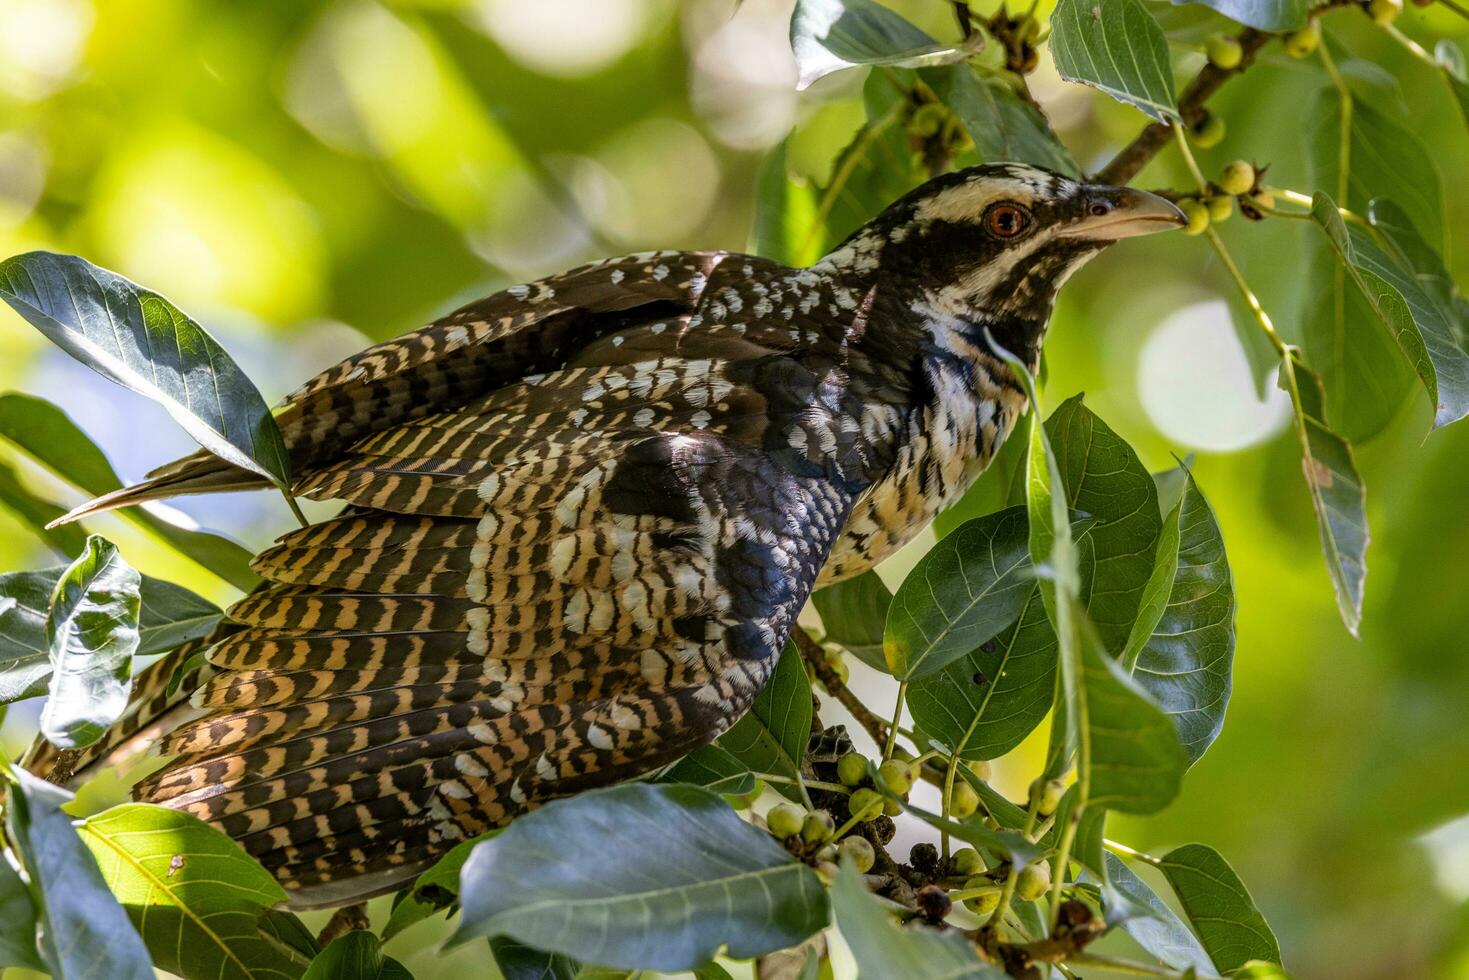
1224, 51
1198, 220
982, 769
966, 861
963, 801
1303, 43
1220, 208
785, 820
985, 902
860, 850
1208, 131
818, 827
865, 804
852, 769
896, 776
1237, 177
1033, 881
1046, 794
1385, 12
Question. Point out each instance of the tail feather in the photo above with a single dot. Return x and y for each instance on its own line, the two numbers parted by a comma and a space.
202, 472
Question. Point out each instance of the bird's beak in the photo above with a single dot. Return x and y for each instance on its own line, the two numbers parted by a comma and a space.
1111, 213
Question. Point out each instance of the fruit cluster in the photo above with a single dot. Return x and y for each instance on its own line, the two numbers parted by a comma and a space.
1238, 180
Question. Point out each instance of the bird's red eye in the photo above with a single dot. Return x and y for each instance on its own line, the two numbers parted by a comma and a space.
1006, 220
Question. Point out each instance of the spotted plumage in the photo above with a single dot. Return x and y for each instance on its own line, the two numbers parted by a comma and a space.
583, 514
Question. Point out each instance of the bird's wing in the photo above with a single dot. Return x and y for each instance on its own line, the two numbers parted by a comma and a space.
570, 580
477, 348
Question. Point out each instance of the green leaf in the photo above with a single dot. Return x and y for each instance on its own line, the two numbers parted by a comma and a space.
853, 614
667, 876
140, 340
169, 615
1423, 324
17, 921
1135, 759
434, 890
1337, 494
968, 587
191, 892
714, 769
1115, 46
876, 167
1004, 126
1182, 646
829, 35
518, 961
884, 950
44, 433
85, 934
37, 512
91, 636
1220, 908
1105, 479
1275, 16
356, 956
1160, 932
772, 735
785, 214
1451, 57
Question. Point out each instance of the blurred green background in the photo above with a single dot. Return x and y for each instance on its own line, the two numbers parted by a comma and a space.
305, 177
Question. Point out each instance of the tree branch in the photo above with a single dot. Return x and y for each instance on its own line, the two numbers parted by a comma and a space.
814, 655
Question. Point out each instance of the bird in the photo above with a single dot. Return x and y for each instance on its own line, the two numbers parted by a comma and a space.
581, 517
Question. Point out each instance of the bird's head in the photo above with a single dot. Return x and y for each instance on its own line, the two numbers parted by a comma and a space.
989, 246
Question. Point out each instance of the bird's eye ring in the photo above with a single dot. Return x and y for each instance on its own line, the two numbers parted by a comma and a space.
1006, 220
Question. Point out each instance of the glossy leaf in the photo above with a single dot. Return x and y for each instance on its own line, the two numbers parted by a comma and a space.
37, 512
434, 890
1264, 15
1115, 46
1161, 932
1451, 57
772, 735
91, 636
1337, 494
1105, 480
170, 615
17, 921
85, 934
829, 35
1182, 647
518, 961
1423, 324
1004, 126
191, 892
885, 950
44, 433
135, 337
677, 875
1229, 925
356, 956
714, 769
854, 614
969, 586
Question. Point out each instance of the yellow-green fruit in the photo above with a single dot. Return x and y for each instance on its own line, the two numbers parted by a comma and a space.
892, 807
1045, 794
896, 775
1263, 199
1198, 220
966, 861
985, 902
838, 665
982, 769
1033, 881
1029, 30
828, 870
852, 769
1220, 208
963, 801
865, 804
817, 827
915, 768
1302, 43
1209, 131
828, 852
1225, 51
785, 820
1237, 177
1385, 11
859, 849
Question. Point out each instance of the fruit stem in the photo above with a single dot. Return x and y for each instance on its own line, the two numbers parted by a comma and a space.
887, 751
771, 777
1007, 892
1413, 46
1251, 300
1126, 851
1188, 158
295, 507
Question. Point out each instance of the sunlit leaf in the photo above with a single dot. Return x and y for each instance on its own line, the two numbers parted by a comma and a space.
1115, 46
854, 614
968, 587
1004, 126
1160, 932
36, 512
885, 950
170, 615
1451, 57
772, 735
356, 956
1264, 15
44, 433
1423, 324
714, 769
1182, 647
1219, 906
91, 636
829, 35
1337, 494
677, 876
877, 167
17, 921
140, 340
192, 893
785, 214
85, 934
